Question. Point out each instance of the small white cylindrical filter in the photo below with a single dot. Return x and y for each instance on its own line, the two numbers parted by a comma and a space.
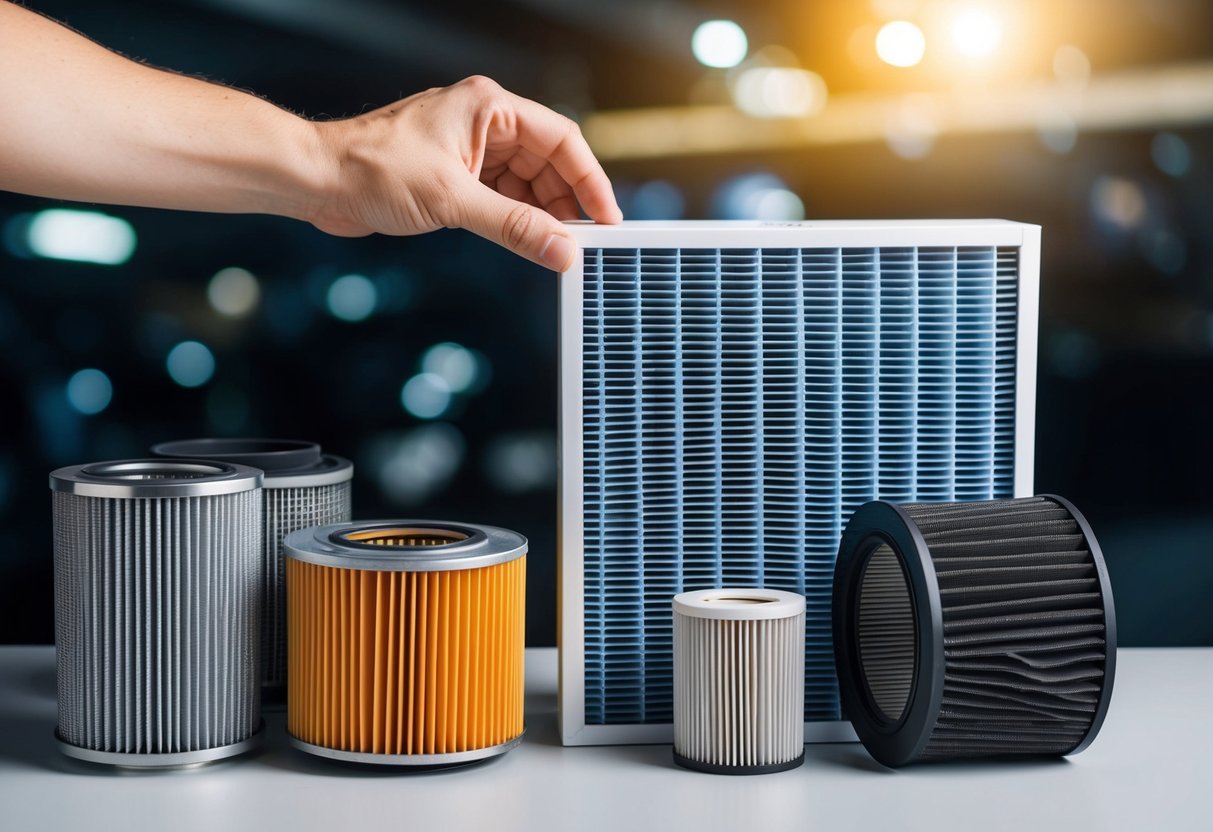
739, 680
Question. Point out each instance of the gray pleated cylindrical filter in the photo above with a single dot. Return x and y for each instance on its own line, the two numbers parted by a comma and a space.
157, 609
302, 488
739, 680
982, 629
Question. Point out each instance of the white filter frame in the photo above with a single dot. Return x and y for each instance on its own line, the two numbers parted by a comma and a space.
570, 529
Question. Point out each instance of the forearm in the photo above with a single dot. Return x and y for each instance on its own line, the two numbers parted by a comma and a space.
82, 123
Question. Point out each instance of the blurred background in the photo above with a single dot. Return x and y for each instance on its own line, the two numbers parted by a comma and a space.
432, 361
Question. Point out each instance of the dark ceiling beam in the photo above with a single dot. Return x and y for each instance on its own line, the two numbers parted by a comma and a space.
397, 31
660, 27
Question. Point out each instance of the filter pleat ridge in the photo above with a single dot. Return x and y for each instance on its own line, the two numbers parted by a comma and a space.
739, 404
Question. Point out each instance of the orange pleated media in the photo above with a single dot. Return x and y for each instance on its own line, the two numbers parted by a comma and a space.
405, 641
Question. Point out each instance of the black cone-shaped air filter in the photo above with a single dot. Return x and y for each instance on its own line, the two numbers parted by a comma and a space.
973, 629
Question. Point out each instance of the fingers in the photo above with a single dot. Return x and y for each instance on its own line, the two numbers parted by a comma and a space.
510, 185
555, 195
524, 229
535, 184
558, 140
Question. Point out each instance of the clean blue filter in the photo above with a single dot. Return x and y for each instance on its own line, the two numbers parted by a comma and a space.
732, 392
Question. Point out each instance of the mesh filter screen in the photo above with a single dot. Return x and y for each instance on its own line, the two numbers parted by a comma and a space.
888, 641
286, 510
740, 689
739, 404
156, 614
406, 663
1004, 643
1023, 627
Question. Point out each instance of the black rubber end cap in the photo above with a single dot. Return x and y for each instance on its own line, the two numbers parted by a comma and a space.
269, 455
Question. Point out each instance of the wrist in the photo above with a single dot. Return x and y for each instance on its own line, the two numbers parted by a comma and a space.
334, 176
310, 178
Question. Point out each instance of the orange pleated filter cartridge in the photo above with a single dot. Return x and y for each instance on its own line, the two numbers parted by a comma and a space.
405, 641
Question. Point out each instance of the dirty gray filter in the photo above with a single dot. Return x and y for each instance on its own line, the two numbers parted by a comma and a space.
975, 629
157, 606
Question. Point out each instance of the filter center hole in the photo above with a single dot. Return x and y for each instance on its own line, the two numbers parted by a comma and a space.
737, 599
154, 470
888, 636
404, 538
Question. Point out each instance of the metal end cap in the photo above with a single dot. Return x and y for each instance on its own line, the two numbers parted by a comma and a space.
155, 478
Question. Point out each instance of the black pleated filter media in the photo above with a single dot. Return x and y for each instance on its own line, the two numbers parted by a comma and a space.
978, 629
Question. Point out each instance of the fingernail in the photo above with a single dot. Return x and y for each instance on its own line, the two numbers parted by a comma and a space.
557, 253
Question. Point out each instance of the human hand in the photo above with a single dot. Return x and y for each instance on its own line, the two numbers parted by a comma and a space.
471, 155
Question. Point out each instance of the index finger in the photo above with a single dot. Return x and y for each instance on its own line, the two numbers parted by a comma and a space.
557, 139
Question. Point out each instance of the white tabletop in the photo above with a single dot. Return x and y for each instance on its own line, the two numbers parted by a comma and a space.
1149, 769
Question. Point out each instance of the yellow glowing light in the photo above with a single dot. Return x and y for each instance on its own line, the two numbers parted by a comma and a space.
900, 43
719, 43
976, 33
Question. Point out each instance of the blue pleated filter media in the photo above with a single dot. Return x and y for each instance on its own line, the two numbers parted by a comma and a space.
739, 403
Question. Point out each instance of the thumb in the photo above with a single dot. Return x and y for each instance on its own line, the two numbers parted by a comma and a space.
523, 229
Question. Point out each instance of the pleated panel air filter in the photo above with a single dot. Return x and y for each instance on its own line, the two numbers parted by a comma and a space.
157, 605
406, 641
302, 488
973, 629
732, 392
739, 680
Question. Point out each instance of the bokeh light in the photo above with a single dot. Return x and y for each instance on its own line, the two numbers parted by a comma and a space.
911, 129
89, 391
455, 364
1171, 154
900, 43
778, 205
719, 43
1057, 130
426, 396
779, 92
1118, 202
233, 292
190, 364
411, 466
519, 462
656, 199
352, 298
1165, 250
80, 236
976, 32
758, 196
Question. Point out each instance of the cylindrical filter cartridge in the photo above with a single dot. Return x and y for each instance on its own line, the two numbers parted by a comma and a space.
157, 602
739, 680
973, 629
302, 488
406, 641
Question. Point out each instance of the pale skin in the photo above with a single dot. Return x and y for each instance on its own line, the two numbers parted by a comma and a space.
79, 122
